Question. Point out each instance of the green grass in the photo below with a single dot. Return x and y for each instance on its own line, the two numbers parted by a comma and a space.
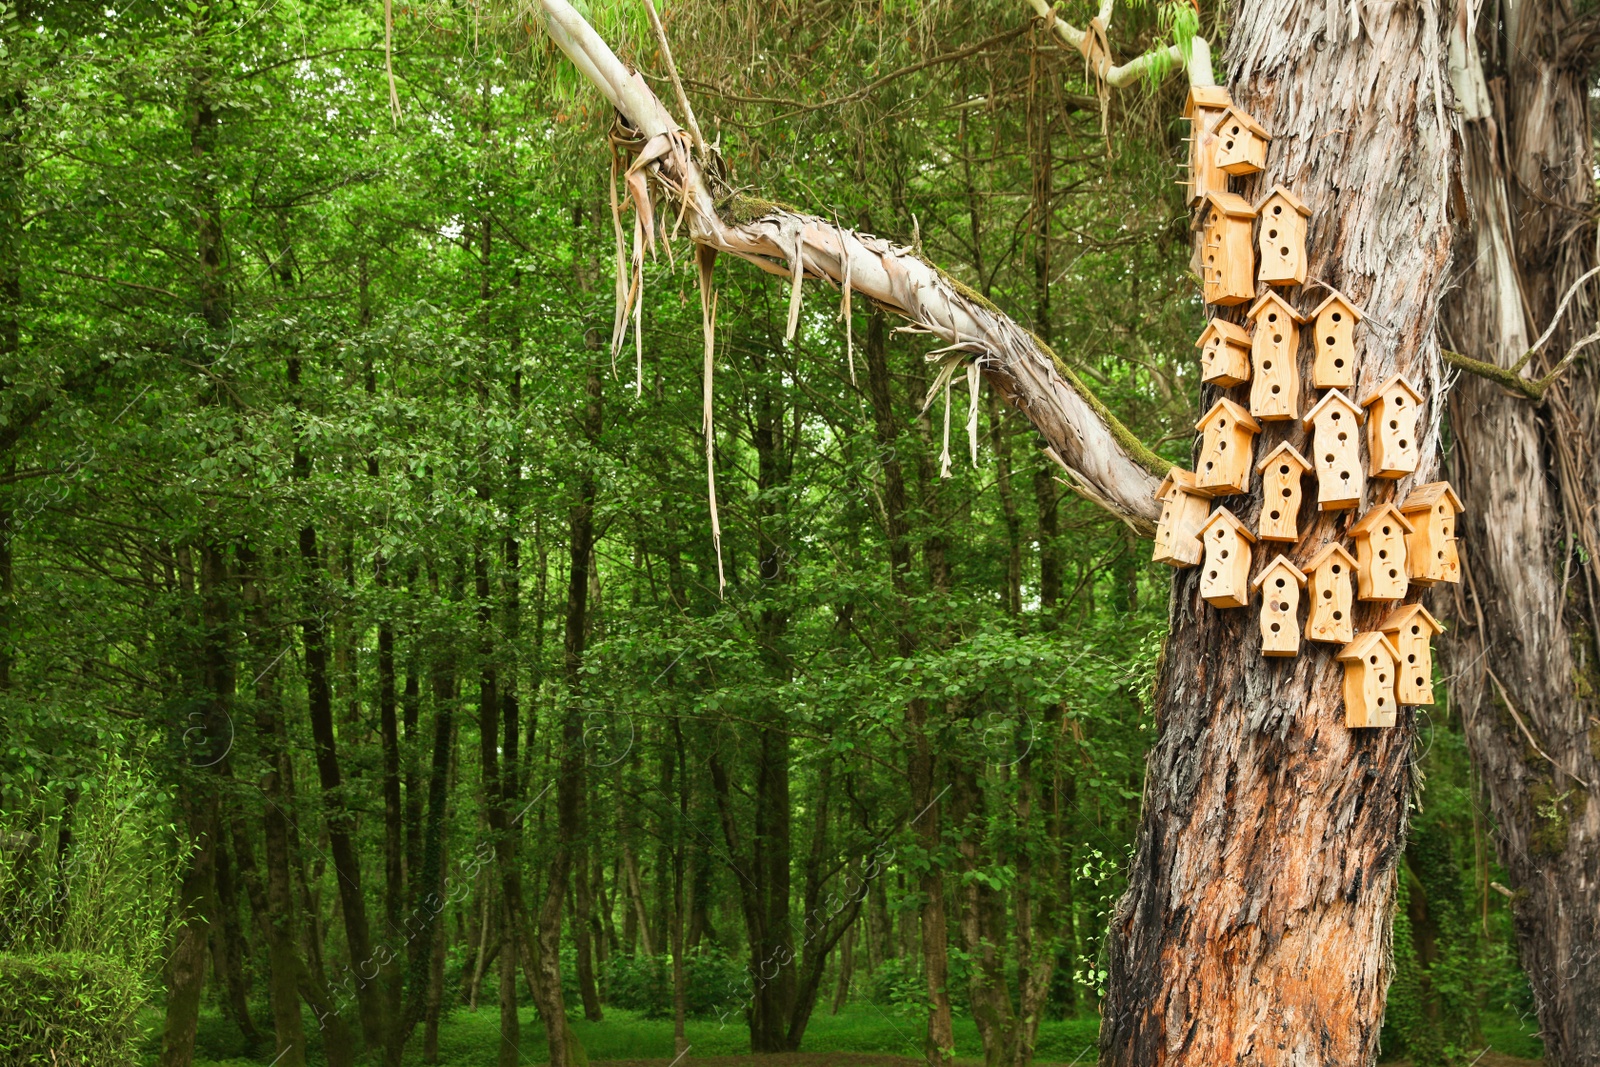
468, 1039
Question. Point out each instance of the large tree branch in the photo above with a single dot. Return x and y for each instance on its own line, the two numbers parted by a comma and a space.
1092, 43
1112, 465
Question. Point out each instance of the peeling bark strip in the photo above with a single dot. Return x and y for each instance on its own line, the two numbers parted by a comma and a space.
1256, 925
1111, 466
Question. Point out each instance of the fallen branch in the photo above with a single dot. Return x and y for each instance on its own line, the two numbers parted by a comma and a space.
1096, 448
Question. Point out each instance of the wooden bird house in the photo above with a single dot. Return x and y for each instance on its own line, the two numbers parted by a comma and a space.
1204, 105
1410, 629
1280, 607
1369, 673
1241, 143
1334, 366
1332, 598
1275, 356
1227, 258
1229, 432
1281, 471
1225, 574
1184, 508
1392, 428
1224, 353
1282, 237
1431, 554
1334, 424
1380, 538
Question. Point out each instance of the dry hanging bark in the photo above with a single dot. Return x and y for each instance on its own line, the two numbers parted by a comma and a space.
1257, 920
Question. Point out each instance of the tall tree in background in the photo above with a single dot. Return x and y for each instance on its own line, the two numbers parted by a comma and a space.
1523, 650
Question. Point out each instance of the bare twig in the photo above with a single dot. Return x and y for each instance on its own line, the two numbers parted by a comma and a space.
1506, 697
1511, 377
677, 85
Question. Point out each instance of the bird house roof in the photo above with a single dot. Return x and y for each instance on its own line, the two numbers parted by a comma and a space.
1272, 299
1205, 96
1386, 385
1230, 204
1381, 513
1288, 198
1178, 478
1228, 330
1223, 515
1279, 562
1401, 617
1365, 644
1227, 407
1329, 552
1235, 113
1339, 298
1335, 397
1424, 497
1285, 451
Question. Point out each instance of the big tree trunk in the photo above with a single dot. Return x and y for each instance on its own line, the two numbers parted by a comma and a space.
1256, 923
1523, 650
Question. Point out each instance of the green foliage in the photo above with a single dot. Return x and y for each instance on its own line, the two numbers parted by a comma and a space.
67, 1010
92, 870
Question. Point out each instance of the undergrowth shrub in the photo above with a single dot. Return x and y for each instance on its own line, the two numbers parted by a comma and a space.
714, 984
67, 1010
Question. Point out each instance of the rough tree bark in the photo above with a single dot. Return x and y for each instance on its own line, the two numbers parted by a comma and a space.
1522, 652
1257, 919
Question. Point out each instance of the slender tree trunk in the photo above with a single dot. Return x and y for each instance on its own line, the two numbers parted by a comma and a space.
583, 942
199, 808
510, 1021
565, 1049
847, 959
982, 916
1256, 921
939, 1044
229, 950
680, 976
1523, 648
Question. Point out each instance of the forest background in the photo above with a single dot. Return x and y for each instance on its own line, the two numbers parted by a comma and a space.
368, 655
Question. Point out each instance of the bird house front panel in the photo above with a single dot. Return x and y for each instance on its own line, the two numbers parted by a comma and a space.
1380, 539
1281, 471
1332, 597
1228, 261
1224, 354
1227, 432
1392, 409
1274, 356
1225, 573
1335, 425
1334, 365
1184, 508
1280, 586
1369, 681
1282, 238
1241, 143
1431, 552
